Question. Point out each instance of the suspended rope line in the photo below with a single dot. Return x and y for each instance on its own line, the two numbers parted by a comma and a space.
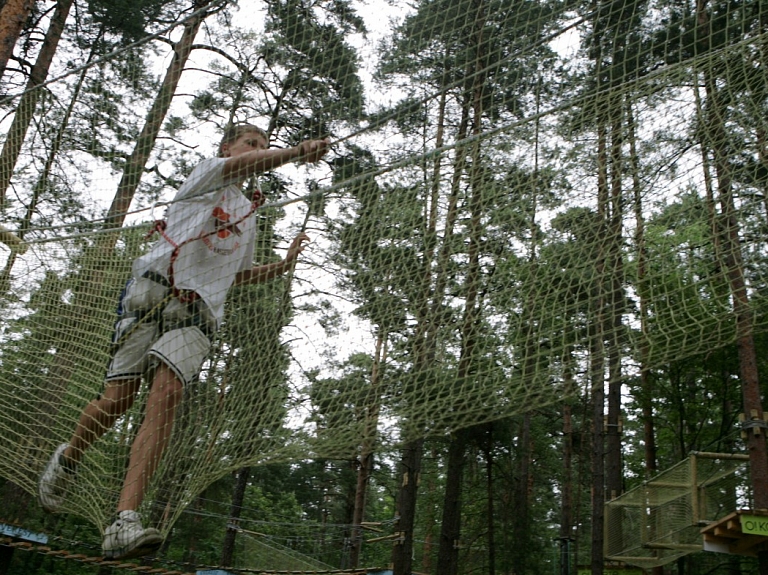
410, 160
459, 83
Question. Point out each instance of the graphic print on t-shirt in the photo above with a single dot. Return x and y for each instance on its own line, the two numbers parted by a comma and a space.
224, 225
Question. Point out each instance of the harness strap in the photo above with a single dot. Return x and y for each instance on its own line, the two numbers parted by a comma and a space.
195, 306
189, 296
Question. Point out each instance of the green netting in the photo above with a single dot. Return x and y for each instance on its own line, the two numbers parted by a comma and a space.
661, 520
520, 195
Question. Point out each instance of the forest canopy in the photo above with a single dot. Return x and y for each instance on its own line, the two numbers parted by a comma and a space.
538, 277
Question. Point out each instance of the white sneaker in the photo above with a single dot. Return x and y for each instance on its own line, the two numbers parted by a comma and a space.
53, 481
127, 538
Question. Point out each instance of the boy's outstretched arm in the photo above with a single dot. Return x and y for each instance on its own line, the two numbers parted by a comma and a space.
259, 274
256, 161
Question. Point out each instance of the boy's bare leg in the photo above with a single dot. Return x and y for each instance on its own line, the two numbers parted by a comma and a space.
100, 414
147, 449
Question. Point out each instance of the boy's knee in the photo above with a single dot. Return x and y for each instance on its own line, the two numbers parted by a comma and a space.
166, 384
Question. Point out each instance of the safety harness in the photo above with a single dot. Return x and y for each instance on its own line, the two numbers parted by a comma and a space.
191, 299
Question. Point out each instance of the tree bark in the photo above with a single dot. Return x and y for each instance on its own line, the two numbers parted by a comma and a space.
597, 363
448, 554
450, 532
410, 467
646, 383
366, 456
41, 185
566, 521
134, 167
490, 498
615, 282
238, 496
732, 260
428, 311
26, 108
13, 14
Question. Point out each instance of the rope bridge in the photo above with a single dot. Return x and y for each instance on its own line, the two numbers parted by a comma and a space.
532, 203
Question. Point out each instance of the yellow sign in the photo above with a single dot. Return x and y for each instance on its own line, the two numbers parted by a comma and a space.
754, 525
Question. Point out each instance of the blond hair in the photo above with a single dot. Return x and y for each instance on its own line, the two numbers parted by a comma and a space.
234, 131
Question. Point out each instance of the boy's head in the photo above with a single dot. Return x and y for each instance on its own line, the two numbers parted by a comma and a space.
235, 132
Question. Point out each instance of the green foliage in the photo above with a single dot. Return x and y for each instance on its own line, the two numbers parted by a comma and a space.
128, 17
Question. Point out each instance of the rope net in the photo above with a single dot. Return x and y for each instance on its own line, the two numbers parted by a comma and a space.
523, 202
659, 521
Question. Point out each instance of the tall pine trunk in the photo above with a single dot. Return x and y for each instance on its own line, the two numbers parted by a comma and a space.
12, 17
134, 166
43, 180
490, 498
424, 342
714, 125
448, 554
365, 467
566, 515
236, 507
597, 357
410, 470
615, 304
28, 102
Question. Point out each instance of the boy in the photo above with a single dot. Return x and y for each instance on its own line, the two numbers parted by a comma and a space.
168, 310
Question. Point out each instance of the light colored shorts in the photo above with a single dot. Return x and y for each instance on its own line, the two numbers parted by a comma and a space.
172, 336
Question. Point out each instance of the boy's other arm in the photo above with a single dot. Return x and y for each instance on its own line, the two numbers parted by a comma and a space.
260, 274
257, 161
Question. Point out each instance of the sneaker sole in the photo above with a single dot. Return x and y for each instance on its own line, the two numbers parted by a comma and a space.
143, 546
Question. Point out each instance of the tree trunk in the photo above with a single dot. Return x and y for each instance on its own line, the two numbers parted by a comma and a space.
566, 521
490, 503
430, 520
135, 165
26, 108
366, 456
521, 522
450, 532
448, 554
410, 468
615, 281
13, 14
714, 126
41, 185
597, 362
238, 495
734, 268
646, 384
424, 352
598, 450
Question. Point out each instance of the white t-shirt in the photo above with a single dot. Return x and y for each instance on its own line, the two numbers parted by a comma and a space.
211, 220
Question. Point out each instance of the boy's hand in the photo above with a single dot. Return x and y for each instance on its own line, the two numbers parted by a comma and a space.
296, 247
311, 151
